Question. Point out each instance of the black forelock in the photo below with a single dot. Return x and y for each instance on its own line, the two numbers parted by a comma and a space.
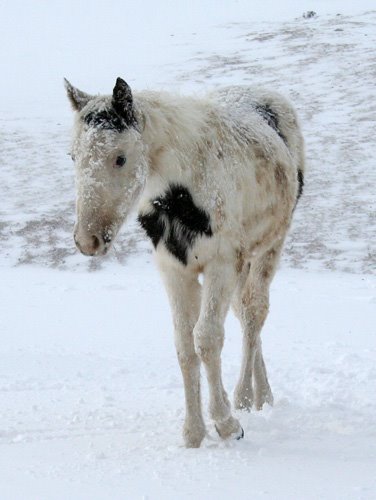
106, 119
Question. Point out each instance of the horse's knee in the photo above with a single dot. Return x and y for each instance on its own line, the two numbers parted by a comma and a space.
188, 361
208, 340
255, 309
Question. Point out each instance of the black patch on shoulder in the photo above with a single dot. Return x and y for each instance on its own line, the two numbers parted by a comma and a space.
271, 118
301, 184
154, 226
176, 220
106, 119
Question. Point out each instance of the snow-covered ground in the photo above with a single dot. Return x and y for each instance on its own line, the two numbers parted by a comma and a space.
92, 401
91, 398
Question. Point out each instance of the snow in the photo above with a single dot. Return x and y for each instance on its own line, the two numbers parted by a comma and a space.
91, 398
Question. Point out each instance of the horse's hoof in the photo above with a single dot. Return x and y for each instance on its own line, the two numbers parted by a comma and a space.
264, 398
193, 436
243, 405
237, 436
241, 435
231, 429
243, 399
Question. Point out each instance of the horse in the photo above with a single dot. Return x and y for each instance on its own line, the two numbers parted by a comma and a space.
216, 180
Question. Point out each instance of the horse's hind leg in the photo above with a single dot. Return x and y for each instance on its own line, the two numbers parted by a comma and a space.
263, 393
251, 304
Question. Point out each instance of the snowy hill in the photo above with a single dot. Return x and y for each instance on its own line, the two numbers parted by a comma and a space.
324, 64
85, 410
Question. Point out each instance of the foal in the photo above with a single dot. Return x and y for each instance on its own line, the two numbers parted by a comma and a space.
216, 181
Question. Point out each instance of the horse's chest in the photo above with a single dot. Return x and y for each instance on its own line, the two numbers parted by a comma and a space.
176, 222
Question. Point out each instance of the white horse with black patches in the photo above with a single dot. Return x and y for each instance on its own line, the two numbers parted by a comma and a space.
216, 182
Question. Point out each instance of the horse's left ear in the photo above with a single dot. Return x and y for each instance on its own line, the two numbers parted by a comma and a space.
122, 101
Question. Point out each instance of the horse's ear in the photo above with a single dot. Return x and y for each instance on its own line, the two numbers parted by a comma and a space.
78, 99
122, 101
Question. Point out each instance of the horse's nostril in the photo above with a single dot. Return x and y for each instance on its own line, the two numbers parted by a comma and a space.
96, 242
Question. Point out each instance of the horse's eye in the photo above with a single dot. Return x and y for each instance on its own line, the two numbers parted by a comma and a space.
120, 161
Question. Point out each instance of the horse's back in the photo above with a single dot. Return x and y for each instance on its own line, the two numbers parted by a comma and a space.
252, 105
243, 101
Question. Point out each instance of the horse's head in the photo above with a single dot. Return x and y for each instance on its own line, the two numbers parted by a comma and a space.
110, 164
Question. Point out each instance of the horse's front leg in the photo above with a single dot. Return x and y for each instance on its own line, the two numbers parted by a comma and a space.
184, 293
219, 282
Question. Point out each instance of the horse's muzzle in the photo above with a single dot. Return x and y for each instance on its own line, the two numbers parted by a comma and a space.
94, 244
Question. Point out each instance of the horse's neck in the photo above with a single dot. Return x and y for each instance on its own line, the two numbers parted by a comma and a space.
171, 123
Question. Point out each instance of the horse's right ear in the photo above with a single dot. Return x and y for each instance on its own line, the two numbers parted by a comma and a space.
78, 99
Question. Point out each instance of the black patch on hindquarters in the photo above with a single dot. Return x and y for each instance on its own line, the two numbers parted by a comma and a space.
106, 119
176, 220
271, 118
301, 184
